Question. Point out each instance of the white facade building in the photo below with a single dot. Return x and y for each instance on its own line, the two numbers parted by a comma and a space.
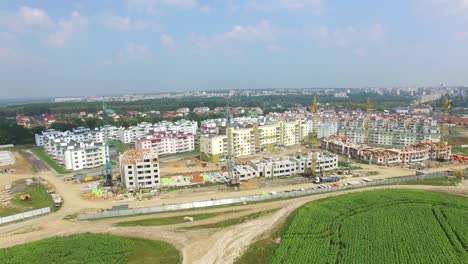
167, 143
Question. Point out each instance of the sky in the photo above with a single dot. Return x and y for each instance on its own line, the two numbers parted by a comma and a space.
54, 48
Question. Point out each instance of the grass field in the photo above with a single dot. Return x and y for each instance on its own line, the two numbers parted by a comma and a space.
39, 199
92, 248
389, 226
40, 152
435, 182
232, 221
170, 220
118, 145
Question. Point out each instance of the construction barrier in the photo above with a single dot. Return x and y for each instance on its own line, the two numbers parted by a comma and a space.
25, 215
262, 197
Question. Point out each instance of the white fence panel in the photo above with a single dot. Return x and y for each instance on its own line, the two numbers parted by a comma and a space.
25, 215
255, 198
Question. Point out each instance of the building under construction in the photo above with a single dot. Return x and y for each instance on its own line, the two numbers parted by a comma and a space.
394, 156
139, 168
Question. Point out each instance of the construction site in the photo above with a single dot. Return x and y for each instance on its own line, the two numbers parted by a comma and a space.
141, 180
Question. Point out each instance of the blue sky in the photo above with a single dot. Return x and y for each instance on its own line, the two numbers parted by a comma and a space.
67, 48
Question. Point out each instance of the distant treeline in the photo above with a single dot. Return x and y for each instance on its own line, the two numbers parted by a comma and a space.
171, 104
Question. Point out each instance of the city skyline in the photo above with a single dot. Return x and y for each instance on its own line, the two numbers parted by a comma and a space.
81, 48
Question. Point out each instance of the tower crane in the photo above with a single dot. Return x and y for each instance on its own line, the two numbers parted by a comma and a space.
233, 179
443, 129
367, 121
108, 165
314, 110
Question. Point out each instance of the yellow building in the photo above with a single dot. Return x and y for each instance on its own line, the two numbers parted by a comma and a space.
213, 148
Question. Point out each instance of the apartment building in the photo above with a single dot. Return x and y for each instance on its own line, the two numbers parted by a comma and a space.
79, 134
242, 141
408, 154
284, 167
83, 155
139, 168
74, 155
167, 143
213, 148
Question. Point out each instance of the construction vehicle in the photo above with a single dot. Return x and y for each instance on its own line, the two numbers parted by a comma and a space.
321, 180
57, 198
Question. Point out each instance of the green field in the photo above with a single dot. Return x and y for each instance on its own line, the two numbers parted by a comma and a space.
232, 221
118, 145
170, 220
389, 226
39, 199
40, 152
444, 181
92, 248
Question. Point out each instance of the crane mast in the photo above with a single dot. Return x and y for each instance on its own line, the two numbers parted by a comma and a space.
314, 110
233, 179
108, 164
443, 129
367, 121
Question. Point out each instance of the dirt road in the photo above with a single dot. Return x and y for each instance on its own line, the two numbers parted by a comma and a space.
205, 246
38, 164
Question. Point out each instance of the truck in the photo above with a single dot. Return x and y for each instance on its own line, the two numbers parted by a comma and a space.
326, 179
57, 198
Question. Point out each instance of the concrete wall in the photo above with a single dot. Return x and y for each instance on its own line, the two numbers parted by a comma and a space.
25, 215
175, 207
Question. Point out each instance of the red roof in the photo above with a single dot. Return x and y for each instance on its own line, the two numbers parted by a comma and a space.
454, 119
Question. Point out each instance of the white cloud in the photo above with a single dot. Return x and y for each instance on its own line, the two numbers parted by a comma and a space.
152, 6
280, 5
25, 18
138, 50
124, 24
33, 16
66, 29
448, 7
167, 41
347, 37
239, 35
205, 9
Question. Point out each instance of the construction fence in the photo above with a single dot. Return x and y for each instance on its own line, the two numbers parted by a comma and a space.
25, 215
257, 198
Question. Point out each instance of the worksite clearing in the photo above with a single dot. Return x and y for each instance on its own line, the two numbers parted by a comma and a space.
222, 245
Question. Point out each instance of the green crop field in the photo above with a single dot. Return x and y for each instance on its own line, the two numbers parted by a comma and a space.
92, 248
389, 226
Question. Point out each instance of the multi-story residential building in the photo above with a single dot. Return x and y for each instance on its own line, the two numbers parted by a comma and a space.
408, 154
213, 148
78, 156
242, 141
140, 169
201, 110
74, 155
272, 167
166, 143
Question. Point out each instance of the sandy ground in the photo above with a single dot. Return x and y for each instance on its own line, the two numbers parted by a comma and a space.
199, 246
180, 167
